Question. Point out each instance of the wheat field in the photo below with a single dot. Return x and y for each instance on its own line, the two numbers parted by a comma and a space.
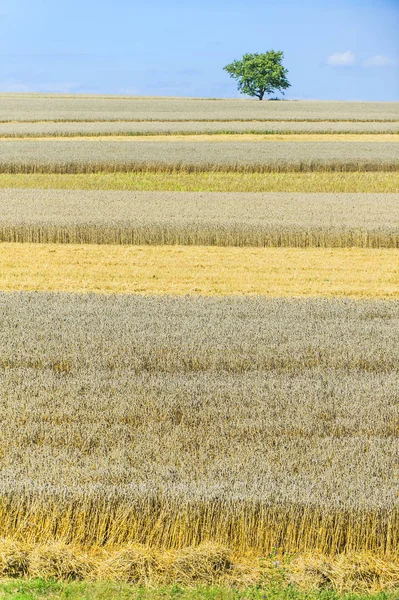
91, 155
53, 107
96, 128
217, 137
297, 400
213, 219
209, 181
198, 341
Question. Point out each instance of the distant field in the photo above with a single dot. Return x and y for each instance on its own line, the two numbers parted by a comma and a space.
181, 270
225, 137
220, 219
21, 129
255, 424
210, 181
88, 156
31, 108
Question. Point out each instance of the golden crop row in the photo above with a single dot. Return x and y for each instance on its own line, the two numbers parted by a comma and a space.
180, 270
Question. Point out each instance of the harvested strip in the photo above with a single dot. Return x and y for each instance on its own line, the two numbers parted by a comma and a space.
22, 129
215, 219
181, 270
90, 156
26, 107
251, 423
372, 182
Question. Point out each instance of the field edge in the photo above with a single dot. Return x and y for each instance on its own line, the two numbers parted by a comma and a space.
204, 565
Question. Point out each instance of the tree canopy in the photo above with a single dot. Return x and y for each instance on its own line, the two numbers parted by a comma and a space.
259, 74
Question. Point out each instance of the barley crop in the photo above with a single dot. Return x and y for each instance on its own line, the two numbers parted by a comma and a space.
31, 108
90, 156
245, 422
220, 219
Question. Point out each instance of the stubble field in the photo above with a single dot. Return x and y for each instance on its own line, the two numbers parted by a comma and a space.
199, 383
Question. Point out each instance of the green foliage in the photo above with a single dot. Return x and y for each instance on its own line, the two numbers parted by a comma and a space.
259, 74
36, 589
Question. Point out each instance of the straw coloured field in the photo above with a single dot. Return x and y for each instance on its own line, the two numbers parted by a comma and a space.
217, 137
35, 107
90, 156
79, 128
209, 181
181, 270
297, 399
199, 329
221, 219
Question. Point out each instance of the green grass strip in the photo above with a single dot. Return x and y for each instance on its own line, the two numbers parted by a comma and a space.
39, 589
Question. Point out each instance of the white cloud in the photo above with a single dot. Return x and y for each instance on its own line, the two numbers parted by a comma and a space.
341, 59
379, 60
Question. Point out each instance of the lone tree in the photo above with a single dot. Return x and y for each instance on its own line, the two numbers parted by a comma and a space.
259, 74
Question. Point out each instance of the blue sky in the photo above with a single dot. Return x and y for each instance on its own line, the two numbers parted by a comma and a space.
342, 49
